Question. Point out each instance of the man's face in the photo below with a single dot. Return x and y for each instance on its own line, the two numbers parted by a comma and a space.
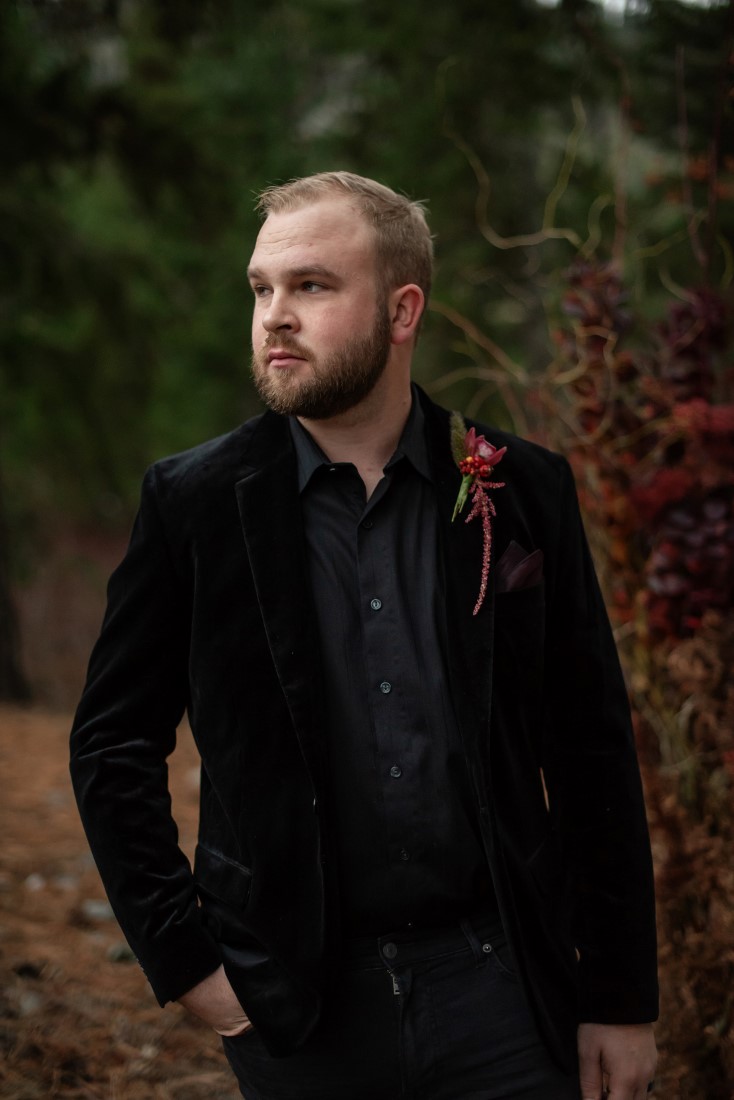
320, 330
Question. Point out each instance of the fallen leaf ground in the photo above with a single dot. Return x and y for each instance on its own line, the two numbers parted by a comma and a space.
77, 1018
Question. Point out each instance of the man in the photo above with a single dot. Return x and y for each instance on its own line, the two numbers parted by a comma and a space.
423, 867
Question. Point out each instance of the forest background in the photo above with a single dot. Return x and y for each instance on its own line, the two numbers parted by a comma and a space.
578, 164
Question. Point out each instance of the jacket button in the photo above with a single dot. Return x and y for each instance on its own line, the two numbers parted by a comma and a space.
389, 950
385, 687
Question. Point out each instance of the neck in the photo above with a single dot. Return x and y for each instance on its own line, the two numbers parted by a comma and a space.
368, 434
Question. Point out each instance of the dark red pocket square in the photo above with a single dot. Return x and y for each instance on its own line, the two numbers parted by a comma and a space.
517, 569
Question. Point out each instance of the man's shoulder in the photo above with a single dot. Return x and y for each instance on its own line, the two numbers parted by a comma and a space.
222, 460
530, 469
519, 449
531, 461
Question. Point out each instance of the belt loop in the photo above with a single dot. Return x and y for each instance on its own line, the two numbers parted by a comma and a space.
480, 955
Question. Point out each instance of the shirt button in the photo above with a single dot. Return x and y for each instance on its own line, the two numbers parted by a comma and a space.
385, 688
405, 856
375, 604
396, 771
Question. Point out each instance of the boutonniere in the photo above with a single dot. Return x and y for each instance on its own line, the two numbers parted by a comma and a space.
476, 458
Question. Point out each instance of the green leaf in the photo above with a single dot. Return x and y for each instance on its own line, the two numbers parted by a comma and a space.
458, 434
463, 494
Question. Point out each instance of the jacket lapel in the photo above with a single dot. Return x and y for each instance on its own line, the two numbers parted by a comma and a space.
270, 515
470, 638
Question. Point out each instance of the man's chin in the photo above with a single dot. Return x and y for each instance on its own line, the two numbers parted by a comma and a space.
280, 393
304, 407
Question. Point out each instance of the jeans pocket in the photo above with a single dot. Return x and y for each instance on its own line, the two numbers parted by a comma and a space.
501, 957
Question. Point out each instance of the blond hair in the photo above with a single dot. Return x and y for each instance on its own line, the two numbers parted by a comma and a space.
404, 244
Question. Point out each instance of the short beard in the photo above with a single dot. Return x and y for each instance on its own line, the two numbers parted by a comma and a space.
339, 382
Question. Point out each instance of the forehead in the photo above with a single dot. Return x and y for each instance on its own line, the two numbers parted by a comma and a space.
329, 232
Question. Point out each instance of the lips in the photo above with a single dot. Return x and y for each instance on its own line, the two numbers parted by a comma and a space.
280, 357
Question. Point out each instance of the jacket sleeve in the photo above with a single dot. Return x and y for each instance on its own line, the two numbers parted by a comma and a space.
123, 732
594, 788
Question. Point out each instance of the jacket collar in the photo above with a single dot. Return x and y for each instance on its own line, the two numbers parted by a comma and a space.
412, 445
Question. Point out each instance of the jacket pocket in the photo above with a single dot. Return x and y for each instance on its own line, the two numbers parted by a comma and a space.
516, 600
223, 886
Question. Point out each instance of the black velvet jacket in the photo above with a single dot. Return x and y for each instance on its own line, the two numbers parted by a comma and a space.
210, 610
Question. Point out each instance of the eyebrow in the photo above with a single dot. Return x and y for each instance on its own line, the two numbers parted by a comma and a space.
298, 272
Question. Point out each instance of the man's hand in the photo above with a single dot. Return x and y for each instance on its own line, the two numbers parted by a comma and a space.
616, 1060
214, 1001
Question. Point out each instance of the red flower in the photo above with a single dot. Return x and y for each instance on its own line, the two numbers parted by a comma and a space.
476, 457
481, 455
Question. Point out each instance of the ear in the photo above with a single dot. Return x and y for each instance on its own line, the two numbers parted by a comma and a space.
406, 305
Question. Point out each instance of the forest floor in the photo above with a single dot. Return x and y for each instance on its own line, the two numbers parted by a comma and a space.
77, 1018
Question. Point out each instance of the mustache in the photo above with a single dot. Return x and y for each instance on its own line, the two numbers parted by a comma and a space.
285, 343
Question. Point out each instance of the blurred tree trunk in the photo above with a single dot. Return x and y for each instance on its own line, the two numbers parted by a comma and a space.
13, 684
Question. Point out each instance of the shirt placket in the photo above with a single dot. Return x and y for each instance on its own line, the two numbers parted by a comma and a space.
387, 671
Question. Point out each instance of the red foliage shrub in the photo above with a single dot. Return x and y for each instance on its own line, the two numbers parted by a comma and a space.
654, 448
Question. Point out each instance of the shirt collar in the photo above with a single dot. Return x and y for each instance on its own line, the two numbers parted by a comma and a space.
412, 445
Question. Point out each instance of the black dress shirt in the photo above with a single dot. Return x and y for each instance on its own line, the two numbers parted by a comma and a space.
407, 844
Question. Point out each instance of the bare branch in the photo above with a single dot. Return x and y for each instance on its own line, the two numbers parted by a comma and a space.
593, 222
478, 337
649, 251
548, 231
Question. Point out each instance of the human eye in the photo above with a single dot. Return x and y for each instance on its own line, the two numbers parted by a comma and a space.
260, 290
312, 287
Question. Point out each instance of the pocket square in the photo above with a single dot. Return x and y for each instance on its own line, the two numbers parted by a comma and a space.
517, 569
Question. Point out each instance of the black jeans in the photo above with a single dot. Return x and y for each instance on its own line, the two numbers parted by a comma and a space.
422, 1017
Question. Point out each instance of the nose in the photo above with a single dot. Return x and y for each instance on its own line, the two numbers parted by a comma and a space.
279, 315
